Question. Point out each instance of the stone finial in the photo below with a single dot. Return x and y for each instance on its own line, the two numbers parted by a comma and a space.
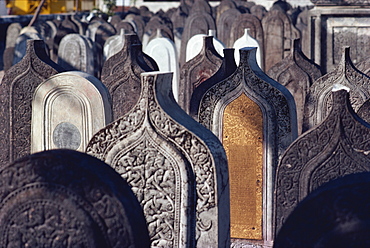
338, 146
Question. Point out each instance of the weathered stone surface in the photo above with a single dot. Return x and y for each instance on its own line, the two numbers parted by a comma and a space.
163, 51
67, 109
157, 23
278, 33
341, 2
297, 73
17, 88
246, 110
197, 70
8, 57
254, 25
258, 11
114, 44
318, 100
248, 41
21, 45
336, 147
196, 44
224, 25
302, 26
333, 216
196, 23
121, 75
12, 34
76, 52
176, 168
65, 27
65, 198
364, 66
227, 68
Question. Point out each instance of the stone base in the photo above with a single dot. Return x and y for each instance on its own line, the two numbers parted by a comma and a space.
245, 243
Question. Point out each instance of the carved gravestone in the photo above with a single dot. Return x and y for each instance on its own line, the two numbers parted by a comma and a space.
335, 215
17, 88
176, 168
65, 27
254, 25
197, 70
114, 44
318, 100
336, 147
224, 25
67, 109
196, 44
196, 23
246, 111
163, 51
297, 73
121, 75
21, 45
76, 52
64, 198
227, 68
248, 41
278, 33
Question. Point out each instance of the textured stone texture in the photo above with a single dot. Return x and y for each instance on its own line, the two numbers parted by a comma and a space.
341, 2
336, 147
279, 120
67, 109
297, 73
318, 100
64, 198
197, 70
121, 75
335, 215
17, 88
176, 168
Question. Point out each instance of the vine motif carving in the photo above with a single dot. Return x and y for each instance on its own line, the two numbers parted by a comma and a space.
337, 147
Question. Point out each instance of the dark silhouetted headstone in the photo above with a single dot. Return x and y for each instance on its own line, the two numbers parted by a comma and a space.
17, 88
64, 198
338, 146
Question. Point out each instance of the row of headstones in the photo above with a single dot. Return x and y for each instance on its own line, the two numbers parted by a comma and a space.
62, 113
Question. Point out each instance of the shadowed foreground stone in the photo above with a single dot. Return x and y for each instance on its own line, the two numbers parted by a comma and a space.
63, 198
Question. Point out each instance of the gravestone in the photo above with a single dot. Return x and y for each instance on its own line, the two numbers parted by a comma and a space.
21, 45
64, 198
17, 88
227, 68
247, 41
333, 216
65, 27
254, 25
139, 24
103, 32
297, 73
258, 11
278, 33
194, 72
224, 5
67, 109
163, 51
114, 44
196, 43
340, 23
224, 25
50, 42
247, 110
201, 6
318, 100
81, 25
114, 20
151, 29
178, 21
121, 75
176, 168
76, 53
125, 25
196, 23
12, 33
336, 147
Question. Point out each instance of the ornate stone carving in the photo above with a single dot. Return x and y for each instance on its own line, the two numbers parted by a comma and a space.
194, 72
227, 68
17, 88
67, 109
121, 75
364, 111
63, 198
279, 121
364, 66
278, 32
318, 100
297, 73
176, 168
337, 147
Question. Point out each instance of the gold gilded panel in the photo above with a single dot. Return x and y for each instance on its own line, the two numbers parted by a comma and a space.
243, 142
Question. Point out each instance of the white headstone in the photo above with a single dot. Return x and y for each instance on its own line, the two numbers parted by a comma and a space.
67, 110
247, 41
195, 45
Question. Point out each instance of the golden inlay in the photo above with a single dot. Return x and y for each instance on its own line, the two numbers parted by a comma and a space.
243, 142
